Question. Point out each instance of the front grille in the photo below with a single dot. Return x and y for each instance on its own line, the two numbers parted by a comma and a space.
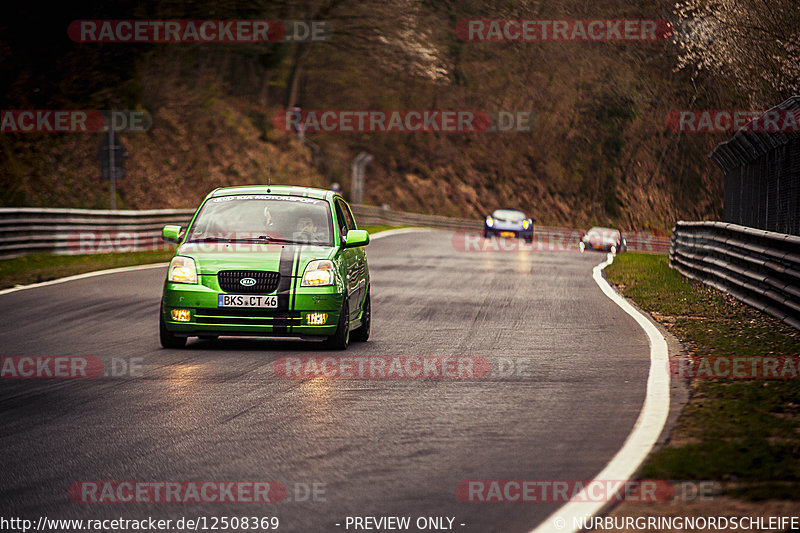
248, 317
246, 312
266, 282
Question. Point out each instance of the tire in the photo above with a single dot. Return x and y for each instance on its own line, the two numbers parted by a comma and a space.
485, 234
167, 338
362, 333
340, 339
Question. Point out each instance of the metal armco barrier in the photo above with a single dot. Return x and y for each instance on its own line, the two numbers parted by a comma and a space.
367, 215
760, 268
27, 230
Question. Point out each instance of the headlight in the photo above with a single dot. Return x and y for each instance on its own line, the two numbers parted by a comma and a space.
489, 221
526, 224
318, 274
182, 270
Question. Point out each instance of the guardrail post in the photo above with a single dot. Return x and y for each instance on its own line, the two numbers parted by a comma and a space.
357, 177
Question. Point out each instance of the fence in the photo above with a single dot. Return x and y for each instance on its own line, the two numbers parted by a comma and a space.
762, 176
760, 268
27, 230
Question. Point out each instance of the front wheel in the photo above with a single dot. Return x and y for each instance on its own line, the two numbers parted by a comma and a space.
340, 339
362, 333
167, 338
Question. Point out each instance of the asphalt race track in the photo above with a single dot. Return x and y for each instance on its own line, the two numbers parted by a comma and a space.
567, 382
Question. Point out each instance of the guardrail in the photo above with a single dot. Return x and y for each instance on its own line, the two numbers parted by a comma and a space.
26, 230
367, 215
760, 268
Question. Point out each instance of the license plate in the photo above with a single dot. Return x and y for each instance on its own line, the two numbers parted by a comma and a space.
247, 300
506, 233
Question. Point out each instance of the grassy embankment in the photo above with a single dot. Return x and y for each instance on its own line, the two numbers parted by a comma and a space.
743, 433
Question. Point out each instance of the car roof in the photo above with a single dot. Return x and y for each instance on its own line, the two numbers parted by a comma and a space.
599, 228
288, 190
509, 209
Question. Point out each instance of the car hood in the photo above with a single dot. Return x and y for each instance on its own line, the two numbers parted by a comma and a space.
210, 258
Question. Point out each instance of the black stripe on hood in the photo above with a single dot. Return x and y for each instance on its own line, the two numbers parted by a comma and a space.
289, 255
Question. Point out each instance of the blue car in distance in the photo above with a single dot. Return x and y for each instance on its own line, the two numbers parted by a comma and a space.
508, 223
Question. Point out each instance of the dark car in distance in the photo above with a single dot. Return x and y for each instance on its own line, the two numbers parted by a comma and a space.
508, 223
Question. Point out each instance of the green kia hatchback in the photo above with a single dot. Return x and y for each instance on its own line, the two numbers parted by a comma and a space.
268, 261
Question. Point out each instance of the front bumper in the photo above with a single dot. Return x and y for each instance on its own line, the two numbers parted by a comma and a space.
602, 247
289, 319
510, 233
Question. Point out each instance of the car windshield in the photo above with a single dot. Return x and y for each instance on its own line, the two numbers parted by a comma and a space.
509, 215
268, 218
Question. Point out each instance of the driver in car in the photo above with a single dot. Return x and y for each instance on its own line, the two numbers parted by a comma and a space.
306, 226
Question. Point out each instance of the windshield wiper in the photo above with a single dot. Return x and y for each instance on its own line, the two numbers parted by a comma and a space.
210, 239
264, 239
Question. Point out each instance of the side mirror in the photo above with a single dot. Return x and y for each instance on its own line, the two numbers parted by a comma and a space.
356, 238
171, 233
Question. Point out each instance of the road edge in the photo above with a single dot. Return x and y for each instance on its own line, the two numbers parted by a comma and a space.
398, 231
82, 276
646, 432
